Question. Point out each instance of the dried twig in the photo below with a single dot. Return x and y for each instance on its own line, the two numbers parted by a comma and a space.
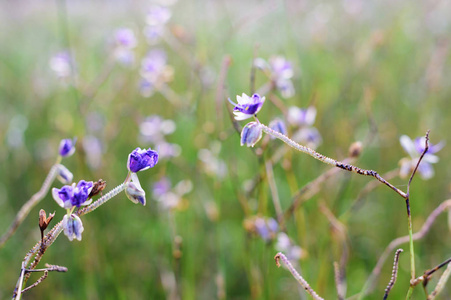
280, 256
394, 274
370, 283
330, 161
26, 208
441, 282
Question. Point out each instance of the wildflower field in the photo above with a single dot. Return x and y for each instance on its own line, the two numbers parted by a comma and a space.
239, 130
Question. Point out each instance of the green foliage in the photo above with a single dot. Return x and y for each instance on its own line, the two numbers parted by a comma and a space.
386, 65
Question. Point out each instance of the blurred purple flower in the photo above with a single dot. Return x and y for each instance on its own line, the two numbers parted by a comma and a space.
247, 106
266, 228
154, 71
415, 149
124, 41
301, 117
158, 15
67, 147
280, 72
161, 187
141, 159
304, 119
285, 245
62, 64
279, 126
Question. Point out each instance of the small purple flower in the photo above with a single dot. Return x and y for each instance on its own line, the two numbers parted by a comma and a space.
67, 147
281, 68
266, 228
251, 134
415, 149
247, 106
73, 227
62, 64
70, 195
141, 159
158, 15
64, 196
161, 187
301, 117
125, 37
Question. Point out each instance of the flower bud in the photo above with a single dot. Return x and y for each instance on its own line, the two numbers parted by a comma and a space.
251, 134
64, 175
141, 159
43, 220
67, 147
135, 193
73, 227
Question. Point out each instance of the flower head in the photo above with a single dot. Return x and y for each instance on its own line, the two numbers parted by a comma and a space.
73, 227
70, 195
415, 149
141, 159
64, 175
67, 147
247, 106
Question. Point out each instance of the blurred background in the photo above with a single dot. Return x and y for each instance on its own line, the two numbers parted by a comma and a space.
124, 74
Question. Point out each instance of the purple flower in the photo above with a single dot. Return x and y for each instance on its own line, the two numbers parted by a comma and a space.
280, 72
141, 159
67, 147
415, 149
70, 195
247, 106
161, 187
73, 227
158, 15
251, 134
62, 64
125, 37
266, 228
301, 117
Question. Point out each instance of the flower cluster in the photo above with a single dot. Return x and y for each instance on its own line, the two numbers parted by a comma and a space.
156, 19
171, 198
154, 72
415, 149
280, 72
154, 130
124, 41
69, 197
303, 120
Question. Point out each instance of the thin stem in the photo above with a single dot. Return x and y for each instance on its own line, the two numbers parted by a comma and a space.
273, 188
280, 256
330, 161
28, 206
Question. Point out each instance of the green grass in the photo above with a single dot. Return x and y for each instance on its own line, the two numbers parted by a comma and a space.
345, 67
